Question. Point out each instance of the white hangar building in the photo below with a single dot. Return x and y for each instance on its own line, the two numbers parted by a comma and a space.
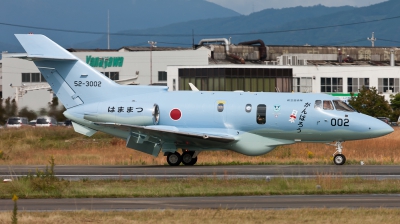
129, 65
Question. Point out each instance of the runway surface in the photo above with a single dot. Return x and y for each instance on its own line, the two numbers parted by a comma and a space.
241, 202
251, 171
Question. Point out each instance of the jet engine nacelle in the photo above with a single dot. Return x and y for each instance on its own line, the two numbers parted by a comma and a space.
133, 113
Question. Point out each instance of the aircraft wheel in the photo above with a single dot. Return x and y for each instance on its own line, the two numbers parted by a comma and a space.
339, 159
187, 158
174, 159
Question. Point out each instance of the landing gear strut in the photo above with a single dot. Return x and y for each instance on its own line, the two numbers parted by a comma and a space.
338, 157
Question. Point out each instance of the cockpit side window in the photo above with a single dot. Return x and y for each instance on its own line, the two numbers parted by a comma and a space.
261, 113
318, 104
340, 105
328, 105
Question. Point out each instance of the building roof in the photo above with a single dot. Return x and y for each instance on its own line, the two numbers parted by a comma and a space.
135, 48
91, 50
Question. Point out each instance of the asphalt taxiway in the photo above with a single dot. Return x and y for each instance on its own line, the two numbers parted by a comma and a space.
240, 202
231, 202
250, 171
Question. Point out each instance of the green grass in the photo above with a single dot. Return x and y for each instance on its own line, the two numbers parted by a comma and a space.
46, 187
287, 216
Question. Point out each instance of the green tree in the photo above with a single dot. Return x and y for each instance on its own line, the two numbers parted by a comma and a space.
2, 113
55, 110
395, 104
43, 112
25, 112
9, 109
369, 102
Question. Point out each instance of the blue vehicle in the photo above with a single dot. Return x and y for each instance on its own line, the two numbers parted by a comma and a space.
152, 119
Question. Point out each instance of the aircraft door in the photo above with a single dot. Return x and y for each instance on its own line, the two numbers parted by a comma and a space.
261, 114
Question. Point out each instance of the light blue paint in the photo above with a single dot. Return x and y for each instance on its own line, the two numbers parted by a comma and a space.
141, 114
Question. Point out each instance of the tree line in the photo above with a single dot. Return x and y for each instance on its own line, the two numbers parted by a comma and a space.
9, 108
369, 102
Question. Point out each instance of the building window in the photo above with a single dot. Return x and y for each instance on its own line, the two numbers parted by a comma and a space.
26, 77
331, 85
42, 79
231, 79
261, 113
35, 77
114, 75
302, 85
111, 75
388, 85
355, 84
162, 76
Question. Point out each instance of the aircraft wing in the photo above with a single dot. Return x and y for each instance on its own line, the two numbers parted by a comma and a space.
171, 133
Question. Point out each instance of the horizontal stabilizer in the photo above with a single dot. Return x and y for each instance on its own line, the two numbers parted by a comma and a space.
38, 46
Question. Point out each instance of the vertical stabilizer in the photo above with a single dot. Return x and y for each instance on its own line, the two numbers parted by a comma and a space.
72, 80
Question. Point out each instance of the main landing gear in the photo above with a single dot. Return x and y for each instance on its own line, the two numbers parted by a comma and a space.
188, 158
338, 157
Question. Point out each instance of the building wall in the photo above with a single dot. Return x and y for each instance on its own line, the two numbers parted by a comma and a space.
1, 78
133, 63
315, 73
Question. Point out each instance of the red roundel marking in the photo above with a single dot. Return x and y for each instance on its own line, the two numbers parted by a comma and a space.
175, 114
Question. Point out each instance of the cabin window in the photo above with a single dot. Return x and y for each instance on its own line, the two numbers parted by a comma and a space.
220, 107
156, 114
328, 105
261, 113
340, 105
318, 104
248, 108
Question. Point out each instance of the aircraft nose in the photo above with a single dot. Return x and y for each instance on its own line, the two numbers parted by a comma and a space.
380, 128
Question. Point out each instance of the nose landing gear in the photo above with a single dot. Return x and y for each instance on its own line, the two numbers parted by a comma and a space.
338, 157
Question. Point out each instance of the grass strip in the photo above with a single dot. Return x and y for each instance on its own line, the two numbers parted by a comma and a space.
343, 216
48, 187
33, 146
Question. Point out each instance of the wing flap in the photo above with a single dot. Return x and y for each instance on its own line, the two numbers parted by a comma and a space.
171, 133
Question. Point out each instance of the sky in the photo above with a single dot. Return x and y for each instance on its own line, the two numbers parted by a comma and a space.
246, 7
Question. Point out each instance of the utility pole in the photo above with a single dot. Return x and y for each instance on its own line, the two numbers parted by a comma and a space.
372, 39
152, 44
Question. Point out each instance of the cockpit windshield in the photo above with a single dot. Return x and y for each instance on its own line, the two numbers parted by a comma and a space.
342, 106
328, 105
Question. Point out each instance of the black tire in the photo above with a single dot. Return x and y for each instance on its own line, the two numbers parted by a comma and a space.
194, 161
339, 159
187, 158
174, 159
